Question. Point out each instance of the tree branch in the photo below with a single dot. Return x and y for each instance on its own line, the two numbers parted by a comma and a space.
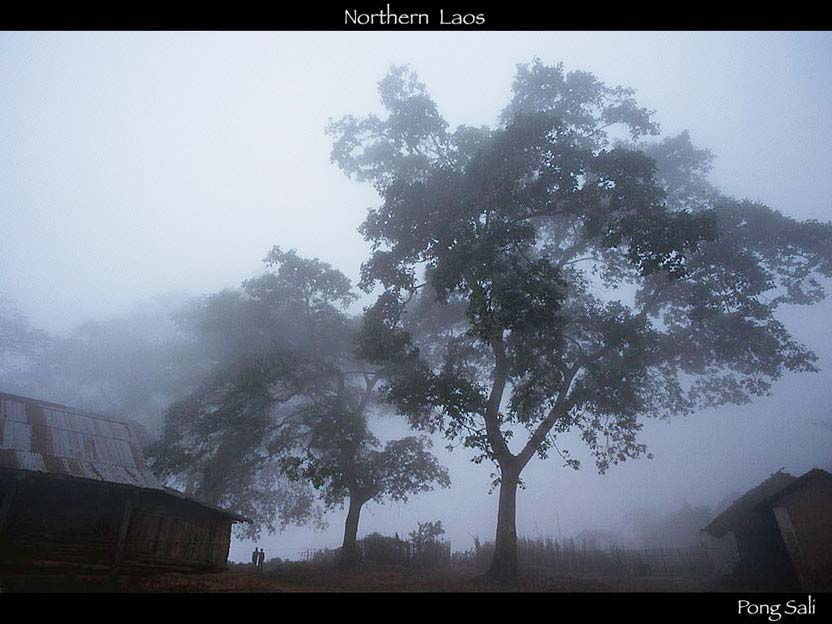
560, 407
492, 412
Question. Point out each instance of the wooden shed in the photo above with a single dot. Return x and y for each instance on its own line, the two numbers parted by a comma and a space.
783, 532
76, 494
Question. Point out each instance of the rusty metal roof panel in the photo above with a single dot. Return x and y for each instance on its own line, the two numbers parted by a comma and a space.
12, 410
29, 461
47, 438
15, 435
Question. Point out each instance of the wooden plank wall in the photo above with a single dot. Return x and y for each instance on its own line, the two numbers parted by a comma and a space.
68, 523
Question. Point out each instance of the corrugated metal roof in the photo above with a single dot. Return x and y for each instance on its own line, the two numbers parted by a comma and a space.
44, 437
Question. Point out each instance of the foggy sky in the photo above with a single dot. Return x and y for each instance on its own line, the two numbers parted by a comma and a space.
133, 164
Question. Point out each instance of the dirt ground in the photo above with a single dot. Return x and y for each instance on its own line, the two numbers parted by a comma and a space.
307, 578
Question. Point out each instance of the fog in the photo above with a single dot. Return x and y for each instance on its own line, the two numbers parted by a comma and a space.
136, 165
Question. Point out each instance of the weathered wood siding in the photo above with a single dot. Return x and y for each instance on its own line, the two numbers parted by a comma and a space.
53, 523
158, 538
809, 538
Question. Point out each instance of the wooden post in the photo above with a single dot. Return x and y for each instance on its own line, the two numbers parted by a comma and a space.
793, 548
126, 514
6, 505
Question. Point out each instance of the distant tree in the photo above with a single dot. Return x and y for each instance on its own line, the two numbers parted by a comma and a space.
129, 367
18, 339
343, 460
427, 532
676, 529
286, 410
224, 440
539, 277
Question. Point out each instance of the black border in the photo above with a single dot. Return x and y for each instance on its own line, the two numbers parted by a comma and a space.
505, 16
495, 606
329, 16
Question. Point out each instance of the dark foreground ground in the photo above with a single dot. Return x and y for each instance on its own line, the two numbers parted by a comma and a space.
307, 578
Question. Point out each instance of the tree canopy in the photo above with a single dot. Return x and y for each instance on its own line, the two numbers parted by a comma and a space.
558, 272
285, 412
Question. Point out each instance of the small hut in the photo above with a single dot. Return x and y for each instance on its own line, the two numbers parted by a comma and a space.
76, 494
783, 532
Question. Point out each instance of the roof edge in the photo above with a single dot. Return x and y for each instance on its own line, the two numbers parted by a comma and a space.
75, 410
809, 475
20, 474
182, 496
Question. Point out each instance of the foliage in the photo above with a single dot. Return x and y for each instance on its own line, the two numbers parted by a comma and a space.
344, 460
423, 549
18, 339
285, 411
546, 276
426, 534
594, 282
129, 367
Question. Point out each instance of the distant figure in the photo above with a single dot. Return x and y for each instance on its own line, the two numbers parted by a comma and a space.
255, 557
261, 557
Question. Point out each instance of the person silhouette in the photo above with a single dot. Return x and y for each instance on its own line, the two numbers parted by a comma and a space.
261, 557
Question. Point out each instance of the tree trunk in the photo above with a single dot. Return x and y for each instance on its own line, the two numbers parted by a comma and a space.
504, 563
349, 549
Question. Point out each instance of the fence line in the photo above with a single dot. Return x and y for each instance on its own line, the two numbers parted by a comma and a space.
381, 549
568, 556
571, 556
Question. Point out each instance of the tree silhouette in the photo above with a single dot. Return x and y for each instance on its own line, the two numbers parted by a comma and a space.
285, 411
540, 277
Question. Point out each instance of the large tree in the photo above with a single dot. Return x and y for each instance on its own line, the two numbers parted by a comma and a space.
285, 411
557, 273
